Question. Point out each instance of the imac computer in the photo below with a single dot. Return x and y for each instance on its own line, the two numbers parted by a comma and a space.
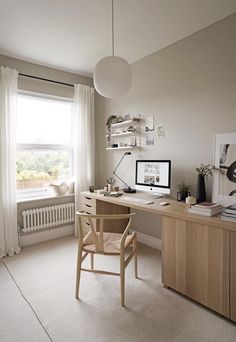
153, 176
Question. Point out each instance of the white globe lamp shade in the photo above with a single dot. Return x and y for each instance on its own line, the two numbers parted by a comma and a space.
112, 77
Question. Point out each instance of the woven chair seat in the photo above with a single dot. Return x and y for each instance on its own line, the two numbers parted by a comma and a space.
111, 243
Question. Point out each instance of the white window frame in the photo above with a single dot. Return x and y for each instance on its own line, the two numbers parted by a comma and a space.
45, 192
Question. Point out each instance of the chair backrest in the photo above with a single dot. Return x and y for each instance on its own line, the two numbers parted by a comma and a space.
96, 233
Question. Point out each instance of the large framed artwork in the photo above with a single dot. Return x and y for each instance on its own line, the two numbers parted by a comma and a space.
224, 182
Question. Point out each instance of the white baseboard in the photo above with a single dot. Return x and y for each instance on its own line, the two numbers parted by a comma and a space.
46, 235
51, 234
149, 240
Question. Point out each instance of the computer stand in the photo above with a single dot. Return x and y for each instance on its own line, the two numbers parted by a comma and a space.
157, 195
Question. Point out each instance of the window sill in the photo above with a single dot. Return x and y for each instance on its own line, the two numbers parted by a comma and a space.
32, 199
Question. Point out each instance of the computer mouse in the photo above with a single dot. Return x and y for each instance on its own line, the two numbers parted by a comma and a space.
164, 203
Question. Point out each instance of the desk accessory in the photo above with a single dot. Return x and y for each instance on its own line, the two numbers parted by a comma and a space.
128, 189
190, 200
110, 182
91, 188
164, 203
113, 194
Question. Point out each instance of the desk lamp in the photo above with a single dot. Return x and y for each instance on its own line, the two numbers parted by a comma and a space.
128, 189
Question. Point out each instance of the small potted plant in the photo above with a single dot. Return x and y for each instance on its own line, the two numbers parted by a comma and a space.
183, 191
111, 120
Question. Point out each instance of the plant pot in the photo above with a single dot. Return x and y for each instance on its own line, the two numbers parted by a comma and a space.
201, 189
182, 195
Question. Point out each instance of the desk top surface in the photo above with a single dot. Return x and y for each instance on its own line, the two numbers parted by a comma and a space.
175, 209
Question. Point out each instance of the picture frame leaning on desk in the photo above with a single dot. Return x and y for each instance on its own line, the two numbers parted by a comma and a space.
224, 182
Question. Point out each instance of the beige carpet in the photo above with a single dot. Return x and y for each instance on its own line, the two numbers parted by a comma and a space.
46, 276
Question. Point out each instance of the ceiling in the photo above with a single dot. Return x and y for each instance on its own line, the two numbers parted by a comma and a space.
73, 35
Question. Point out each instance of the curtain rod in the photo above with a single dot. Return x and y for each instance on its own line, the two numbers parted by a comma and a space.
46, 80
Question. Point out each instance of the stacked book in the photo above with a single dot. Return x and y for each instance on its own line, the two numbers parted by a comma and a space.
206, 209
229, 214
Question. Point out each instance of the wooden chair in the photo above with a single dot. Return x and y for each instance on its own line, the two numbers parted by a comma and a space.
98, 242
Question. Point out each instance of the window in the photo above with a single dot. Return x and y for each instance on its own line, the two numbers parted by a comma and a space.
44, 143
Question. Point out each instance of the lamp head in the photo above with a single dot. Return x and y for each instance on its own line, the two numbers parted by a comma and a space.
112, 77
127, 153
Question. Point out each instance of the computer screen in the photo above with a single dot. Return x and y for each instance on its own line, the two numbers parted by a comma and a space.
153, 176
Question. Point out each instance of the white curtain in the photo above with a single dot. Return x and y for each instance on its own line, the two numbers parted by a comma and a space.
9, 243
84, 139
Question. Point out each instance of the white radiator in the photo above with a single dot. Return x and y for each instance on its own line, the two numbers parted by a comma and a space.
48, 217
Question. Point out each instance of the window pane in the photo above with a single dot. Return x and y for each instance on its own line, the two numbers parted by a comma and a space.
37, 169
43, 121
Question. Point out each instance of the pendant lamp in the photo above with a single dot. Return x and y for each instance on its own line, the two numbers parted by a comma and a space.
112, 74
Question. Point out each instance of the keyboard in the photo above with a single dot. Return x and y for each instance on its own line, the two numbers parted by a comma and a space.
136, 200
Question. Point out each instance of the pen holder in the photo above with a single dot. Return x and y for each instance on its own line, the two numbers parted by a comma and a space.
109, 187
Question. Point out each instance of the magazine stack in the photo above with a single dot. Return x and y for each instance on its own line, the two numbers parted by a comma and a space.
229, 214
206, 209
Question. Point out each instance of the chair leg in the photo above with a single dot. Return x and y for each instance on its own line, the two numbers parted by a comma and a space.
122, 278
78, 272
135, 249
92, 260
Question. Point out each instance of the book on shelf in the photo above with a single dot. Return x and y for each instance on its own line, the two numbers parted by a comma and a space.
206, 208
205, 213
207, 205
228, 218
231, 209
228, 214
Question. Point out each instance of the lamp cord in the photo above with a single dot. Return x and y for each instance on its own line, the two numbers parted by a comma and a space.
112, 21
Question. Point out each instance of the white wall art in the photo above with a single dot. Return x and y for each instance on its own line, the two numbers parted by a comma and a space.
224, 182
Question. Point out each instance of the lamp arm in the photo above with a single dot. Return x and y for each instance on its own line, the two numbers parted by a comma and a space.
121, 179
114, 172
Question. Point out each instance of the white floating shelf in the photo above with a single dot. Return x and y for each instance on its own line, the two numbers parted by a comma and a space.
122, 134
122, 148
123, 123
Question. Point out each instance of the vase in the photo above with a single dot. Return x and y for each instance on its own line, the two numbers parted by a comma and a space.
201, 190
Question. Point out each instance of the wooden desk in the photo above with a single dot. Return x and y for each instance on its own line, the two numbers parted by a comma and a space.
198, 252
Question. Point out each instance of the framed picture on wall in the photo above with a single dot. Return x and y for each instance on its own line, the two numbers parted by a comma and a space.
224, 182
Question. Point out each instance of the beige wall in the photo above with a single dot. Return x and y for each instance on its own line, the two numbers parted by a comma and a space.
190, 88
44, 72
